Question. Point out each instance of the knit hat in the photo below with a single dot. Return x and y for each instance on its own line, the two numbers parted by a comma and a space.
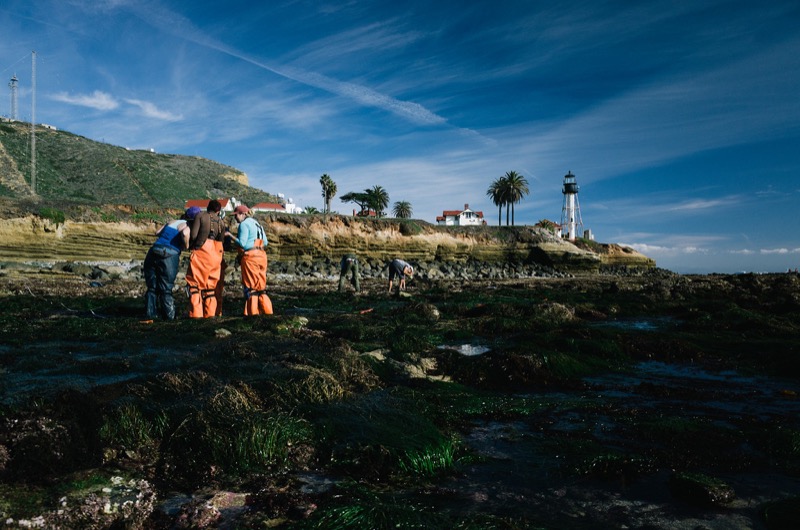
242, 208
192, 212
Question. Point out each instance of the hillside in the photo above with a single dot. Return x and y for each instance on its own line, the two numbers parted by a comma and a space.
71, 168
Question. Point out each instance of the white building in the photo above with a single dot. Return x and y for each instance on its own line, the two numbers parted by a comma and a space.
465, 217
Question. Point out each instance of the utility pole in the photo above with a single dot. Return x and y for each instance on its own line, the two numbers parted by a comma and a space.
13, 86
33, 122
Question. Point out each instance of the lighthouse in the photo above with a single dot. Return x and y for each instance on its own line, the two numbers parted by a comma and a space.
571, 212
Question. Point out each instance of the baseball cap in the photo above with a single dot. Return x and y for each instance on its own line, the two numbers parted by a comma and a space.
242, 208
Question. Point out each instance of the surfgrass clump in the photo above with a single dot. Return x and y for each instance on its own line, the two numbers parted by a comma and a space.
374, 433
209, 444
128, 428
367, 509
431, 460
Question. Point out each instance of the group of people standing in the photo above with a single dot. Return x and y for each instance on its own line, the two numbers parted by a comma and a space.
206, 235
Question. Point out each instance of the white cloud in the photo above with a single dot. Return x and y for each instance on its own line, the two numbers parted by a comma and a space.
780, 251
657, 251
700, 204
151, 111
96, 100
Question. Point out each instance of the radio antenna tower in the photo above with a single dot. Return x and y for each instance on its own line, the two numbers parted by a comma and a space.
13, 86
33, 122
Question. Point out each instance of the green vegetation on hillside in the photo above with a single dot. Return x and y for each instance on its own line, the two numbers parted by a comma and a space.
73, 168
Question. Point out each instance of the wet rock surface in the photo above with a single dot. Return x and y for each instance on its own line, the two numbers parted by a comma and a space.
619, 400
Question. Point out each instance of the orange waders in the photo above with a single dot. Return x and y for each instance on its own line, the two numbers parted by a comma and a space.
254, 279
202, 277
220, 287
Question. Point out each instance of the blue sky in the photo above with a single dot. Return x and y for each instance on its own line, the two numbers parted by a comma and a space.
680, 120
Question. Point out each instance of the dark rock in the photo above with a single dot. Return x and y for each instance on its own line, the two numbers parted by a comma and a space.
701, 490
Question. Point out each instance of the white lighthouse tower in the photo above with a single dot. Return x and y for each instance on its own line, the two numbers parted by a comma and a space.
571, 212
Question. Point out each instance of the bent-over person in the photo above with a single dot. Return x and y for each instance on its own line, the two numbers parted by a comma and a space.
161, 265
399, 269
349, 265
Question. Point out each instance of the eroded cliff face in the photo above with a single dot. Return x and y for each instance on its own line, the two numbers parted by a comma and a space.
315, 238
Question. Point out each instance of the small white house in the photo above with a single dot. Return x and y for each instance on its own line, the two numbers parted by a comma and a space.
465, 217
291, 207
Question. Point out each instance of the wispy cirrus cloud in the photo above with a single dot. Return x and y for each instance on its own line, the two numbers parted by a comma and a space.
150, 110
780, 251
182, 27
703, 204
98, 100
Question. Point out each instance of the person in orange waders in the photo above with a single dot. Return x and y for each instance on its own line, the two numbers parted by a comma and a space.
205, 263
251, 241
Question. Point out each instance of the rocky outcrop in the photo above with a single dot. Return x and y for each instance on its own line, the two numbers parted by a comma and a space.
237, 176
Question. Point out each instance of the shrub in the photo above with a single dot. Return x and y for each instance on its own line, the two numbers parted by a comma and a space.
410, 228
56, 216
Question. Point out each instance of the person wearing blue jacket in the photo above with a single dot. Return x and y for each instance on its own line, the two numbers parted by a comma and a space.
161, 265
252, 240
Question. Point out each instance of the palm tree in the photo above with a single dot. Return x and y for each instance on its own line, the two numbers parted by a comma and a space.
378, 199
546, 224
310, 210
516, 188
495, 192
402, 210
328, 190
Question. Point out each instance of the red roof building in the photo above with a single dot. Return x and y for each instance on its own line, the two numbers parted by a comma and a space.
465, 217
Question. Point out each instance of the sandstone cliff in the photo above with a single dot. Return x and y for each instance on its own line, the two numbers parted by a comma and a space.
308, 239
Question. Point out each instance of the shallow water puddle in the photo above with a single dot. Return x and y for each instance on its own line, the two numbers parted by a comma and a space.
637, 324
466, 349
725, 392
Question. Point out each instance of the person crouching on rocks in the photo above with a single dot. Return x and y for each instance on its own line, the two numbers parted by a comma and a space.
399, 269
161, 265
251, 241
205, 264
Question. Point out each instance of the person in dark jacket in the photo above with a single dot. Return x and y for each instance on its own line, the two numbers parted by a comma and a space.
349, 265
399, 269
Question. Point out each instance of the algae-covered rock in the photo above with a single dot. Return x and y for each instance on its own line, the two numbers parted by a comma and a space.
115, 503
700, 489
